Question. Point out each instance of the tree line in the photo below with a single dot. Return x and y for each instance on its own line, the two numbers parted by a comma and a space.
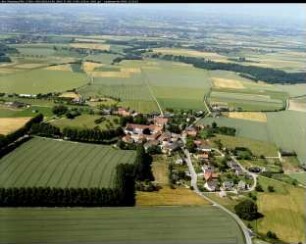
83, 135
123, 194
268, 75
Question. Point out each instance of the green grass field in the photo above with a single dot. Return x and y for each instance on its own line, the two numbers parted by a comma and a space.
283, 210
244, 128
28, 112
156, 225
85, 121
300, 177
256, 146
288, 130
246, 101
41, 81
47, 162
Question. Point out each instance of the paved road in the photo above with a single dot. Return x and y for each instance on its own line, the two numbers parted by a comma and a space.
193, 174
252, 188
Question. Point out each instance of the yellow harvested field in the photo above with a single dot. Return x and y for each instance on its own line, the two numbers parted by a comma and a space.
96, 46
8, 125
28, 66
63, 67
8, 70
166, 196
284, 214
89, 40
297, 106
254, 116
130, 70
192, 53
110, 74
69, 95
88, 67
160, 171
227, 83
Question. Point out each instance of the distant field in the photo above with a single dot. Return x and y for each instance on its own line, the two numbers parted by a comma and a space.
256, 146
8, 125
170, 84
286, 60
249, 102
253, 116
28, 112
297, 105
84, 121
96, 46
244, 128
288, 130
300, 177
157, 225
178, 86
41, 81
47, 162
192, 53
284, 210
105, 58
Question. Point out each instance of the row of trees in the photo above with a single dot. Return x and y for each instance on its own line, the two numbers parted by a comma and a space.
230, 131
123, 194
84, 135
258, 73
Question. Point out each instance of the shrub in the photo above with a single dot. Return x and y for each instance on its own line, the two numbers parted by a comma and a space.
247, 210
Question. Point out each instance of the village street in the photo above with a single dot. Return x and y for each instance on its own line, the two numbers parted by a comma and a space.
245, 230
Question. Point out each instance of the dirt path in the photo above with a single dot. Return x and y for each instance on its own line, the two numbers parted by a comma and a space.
146, 81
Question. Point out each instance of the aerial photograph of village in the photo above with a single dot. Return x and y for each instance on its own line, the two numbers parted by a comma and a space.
153, 123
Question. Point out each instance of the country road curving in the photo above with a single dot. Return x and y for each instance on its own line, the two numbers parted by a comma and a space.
243, 227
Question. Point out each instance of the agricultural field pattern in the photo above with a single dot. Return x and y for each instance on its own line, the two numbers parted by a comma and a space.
152, 124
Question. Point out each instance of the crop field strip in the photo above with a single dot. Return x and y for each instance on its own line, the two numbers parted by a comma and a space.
46, 162
135, 225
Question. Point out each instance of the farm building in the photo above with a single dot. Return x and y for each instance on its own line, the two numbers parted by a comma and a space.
136, 131
160, 121
16, 104
190, 131
211, 185
123, 112
227, 185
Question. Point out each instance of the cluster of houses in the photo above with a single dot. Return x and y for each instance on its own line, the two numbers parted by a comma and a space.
212, 179
153, 135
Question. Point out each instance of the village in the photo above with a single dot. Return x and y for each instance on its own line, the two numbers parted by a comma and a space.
216, 170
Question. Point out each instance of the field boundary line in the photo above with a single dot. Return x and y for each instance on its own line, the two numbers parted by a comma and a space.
151, 91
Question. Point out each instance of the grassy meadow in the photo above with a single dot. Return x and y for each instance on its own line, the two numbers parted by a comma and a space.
85, 121
41, 81
47, 162
287, 219
156, 225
